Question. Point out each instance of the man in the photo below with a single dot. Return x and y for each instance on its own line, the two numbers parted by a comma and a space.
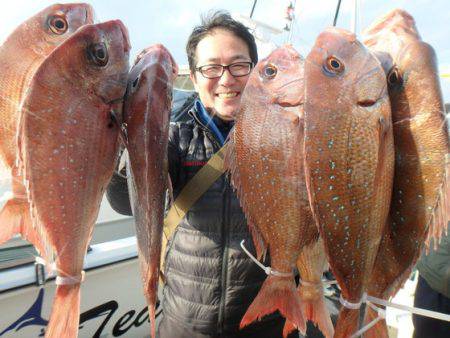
210, 281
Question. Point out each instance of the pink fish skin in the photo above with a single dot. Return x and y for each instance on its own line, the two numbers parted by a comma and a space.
68, 145
420, 201
349, 159
20, 55
265, 159
146, 115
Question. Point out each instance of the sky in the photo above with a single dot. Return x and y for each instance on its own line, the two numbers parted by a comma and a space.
170, 21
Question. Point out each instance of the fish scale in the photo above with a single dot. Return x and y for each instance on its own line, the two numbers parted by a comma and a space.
146, 116
32, 41
67, 156
348, 159
419, 207
265, 160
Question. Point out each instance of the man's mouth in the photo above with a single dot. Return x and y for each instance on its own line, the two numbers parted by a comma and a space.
227, 95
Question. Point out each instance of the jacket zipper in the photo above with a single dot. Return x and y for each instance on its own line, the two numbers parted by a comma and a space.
208, 132
224, 274
225, 221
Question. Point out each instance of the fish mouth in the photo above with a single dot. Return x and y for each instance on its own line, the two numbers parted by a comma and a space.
292, 97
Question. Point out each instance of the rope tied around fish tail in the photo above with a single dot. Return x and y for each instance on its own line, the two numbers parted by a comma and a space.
306, 283
267, 269
381, 315
352, 306
70, 280
60, 280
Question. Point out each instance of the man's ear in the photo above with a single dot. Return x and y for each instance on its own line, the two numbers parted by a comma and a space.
194, 80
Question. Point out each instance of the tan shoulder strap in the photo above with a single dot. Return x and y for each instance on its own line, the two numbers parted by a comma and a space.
192, 191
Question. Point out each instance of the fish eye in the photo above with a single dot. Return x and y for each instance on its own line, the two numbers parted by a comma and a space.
58, 24
98, 54
269, 71
394, 77
333, 66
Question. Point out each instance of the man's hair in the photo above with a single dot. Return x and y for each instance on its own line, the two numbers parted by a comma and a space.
219, 20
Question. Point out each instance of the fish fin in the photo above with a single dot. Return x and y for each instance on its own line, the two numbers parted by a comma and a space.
288, 328
379, 330
347, 323
276, 293
258, 241
230, 166
15, 218
65, 315
10, 220
441, 212
317, 312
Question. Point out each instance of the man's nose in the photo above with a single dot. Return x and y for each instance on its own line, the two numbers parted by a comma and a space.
227, 78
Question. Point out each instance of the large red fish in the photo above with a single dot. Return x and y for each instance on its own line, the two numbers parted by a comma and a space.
20, 55
265, 160
146, 114
68, 141
349, 159
419, 205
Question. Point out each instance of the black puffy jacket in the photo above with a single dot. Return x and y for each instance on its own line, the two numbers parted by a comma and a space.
210, 281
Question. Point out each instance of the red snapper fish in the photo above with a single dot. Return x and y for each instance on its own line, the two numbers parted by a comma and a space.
68, 141
349, 159
20, 55
146, 115
420, 200
265, 159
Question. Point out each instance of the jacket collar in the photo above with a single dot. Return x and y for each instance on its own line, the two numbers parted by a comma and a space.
201, 116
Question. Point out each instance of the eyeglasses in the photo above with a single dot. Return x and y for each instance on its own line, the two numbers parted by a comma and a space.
236, 69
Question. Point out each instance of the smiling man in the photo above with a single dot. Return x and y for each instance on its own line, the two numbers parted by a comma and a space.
209, 281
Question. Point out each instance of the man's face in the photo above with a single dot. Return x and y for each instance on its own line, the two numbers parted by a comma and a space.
221, 96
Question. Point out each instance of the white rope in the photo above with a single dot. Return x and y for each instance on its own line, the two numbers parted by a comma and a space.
352, 306
69, 280
416, 310
60, 280
306, 283
412, 309
267, 269
381, 315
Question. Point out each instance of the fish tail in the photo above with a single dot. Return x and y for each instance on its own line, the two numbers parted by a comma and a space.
277, 293
151, 313
65, 316
347, 323
379, 330
151, 295
15, 219
317, 312
314, 309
